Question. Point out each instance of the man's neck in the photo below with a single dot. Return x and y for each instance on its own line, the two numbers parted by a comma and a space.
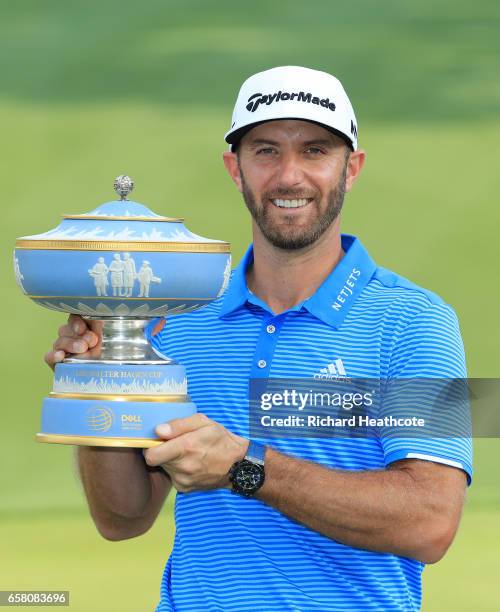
283, 279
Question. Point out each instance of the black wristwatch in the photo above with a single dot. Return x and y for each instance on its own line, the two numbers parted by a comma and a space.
247, 476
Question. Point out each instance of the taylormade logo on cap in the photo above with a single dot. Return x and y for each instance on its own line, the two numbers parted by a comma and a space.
294, 92
257, 98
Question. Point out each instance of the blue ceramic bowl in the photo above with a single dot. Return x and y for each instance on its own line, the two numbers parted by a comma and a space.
121, 260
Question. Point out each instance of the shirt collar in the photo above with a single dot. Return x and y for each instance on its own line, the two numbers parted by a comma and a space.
332, 300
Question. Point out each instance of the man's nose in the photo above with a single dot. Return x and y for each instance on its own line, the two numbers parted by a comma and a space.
290, 172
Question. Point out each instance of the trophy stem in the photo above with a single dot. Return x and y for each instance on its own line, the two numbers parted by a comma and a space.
123, 341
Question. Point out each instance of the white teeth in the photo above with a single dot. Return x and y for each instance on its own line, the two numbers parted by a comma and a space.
290, 203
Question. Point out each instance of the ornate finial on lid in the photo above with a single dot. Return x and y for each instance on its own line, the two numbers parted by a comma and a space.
123, 186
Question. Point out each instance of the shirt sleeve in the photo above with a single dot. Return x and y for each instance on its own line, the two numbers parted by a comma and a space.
427, 379
153, 332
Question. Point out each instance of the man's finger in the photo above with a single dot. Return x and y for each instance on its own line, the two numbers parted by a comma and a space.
53, 357
77, 324
177, 427
164, 453
90, 337
71, 345
96, 326
68, 331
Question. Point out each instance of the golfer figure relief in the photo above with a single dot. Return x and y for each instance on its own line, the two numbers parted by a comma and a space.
100, 275
117, 268
129, 274
123, 276
146, 277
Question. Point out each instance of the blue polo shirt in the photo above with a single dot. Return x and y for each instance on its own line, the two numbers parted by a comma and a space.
235, 554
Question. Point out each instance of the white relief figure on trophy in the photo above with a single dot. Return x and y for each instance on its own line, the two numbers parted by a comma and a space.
100, 275
146, 277
18, 273
116, 268
129, 274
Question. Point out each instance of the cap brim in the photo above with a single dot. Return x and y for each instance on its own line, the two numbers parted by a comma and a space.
234, 137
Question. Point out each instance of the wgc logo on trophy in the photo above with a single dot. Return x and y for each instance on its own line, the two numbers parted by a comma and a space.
125, 265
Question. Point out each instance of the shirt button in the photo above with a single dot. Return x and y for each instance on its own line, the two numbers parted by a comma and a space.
270, 329
261, 363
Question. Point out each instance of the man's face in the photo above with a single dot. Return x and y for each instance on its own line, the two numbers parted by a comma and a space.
293, 176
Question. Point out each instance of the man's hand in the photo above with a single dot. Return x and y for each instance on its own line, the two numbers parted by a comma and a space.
77, 337
198, 453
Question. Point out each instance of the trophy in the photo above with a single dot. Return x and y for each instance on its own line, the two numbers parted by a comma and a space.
124, 265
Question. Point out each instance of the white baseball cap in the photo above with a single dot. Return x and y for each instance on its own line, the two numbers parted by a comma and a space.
294, 92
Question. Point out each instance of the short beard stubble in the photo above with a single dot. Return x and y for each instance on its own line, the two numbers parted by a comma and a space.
292, 240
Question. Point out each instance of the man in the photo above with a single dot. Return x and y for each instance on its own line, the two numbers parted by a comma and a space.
319, 524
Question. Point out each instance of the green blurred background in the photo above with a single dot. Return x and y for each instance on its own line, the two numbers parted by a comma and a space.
92, 89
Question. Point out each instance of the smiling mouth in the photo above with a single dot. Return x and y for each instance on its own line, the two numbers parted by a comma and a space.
296, 203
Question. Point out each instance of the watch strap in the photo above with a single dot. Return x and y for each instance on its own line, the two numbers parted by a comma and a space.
256, 452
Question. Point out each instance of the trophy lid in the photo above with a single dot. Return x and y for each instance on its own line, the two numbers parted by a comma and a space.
119, 220
122, 260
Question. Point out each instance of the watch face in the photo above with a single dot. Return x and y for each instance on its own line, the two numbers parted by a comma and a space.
249, 476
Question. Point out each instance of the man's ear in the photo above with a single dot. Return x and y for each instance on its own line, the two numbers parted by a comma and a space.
354, 167
232, 166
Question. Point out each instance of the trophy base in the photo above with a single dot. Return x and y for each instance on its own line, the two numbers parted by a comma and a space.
105, 420
112, 403
95, 441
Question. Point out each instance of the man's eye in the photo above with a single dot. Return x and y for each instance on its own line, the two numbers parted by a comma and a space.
314, 150
266, 151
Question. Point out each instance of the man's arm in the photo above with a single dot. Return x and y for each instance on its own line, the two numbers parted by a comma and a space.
411, 509
124, 495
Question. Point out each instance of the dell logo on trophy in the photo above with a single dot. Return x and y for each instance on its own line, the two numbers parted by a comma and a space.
124, 265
